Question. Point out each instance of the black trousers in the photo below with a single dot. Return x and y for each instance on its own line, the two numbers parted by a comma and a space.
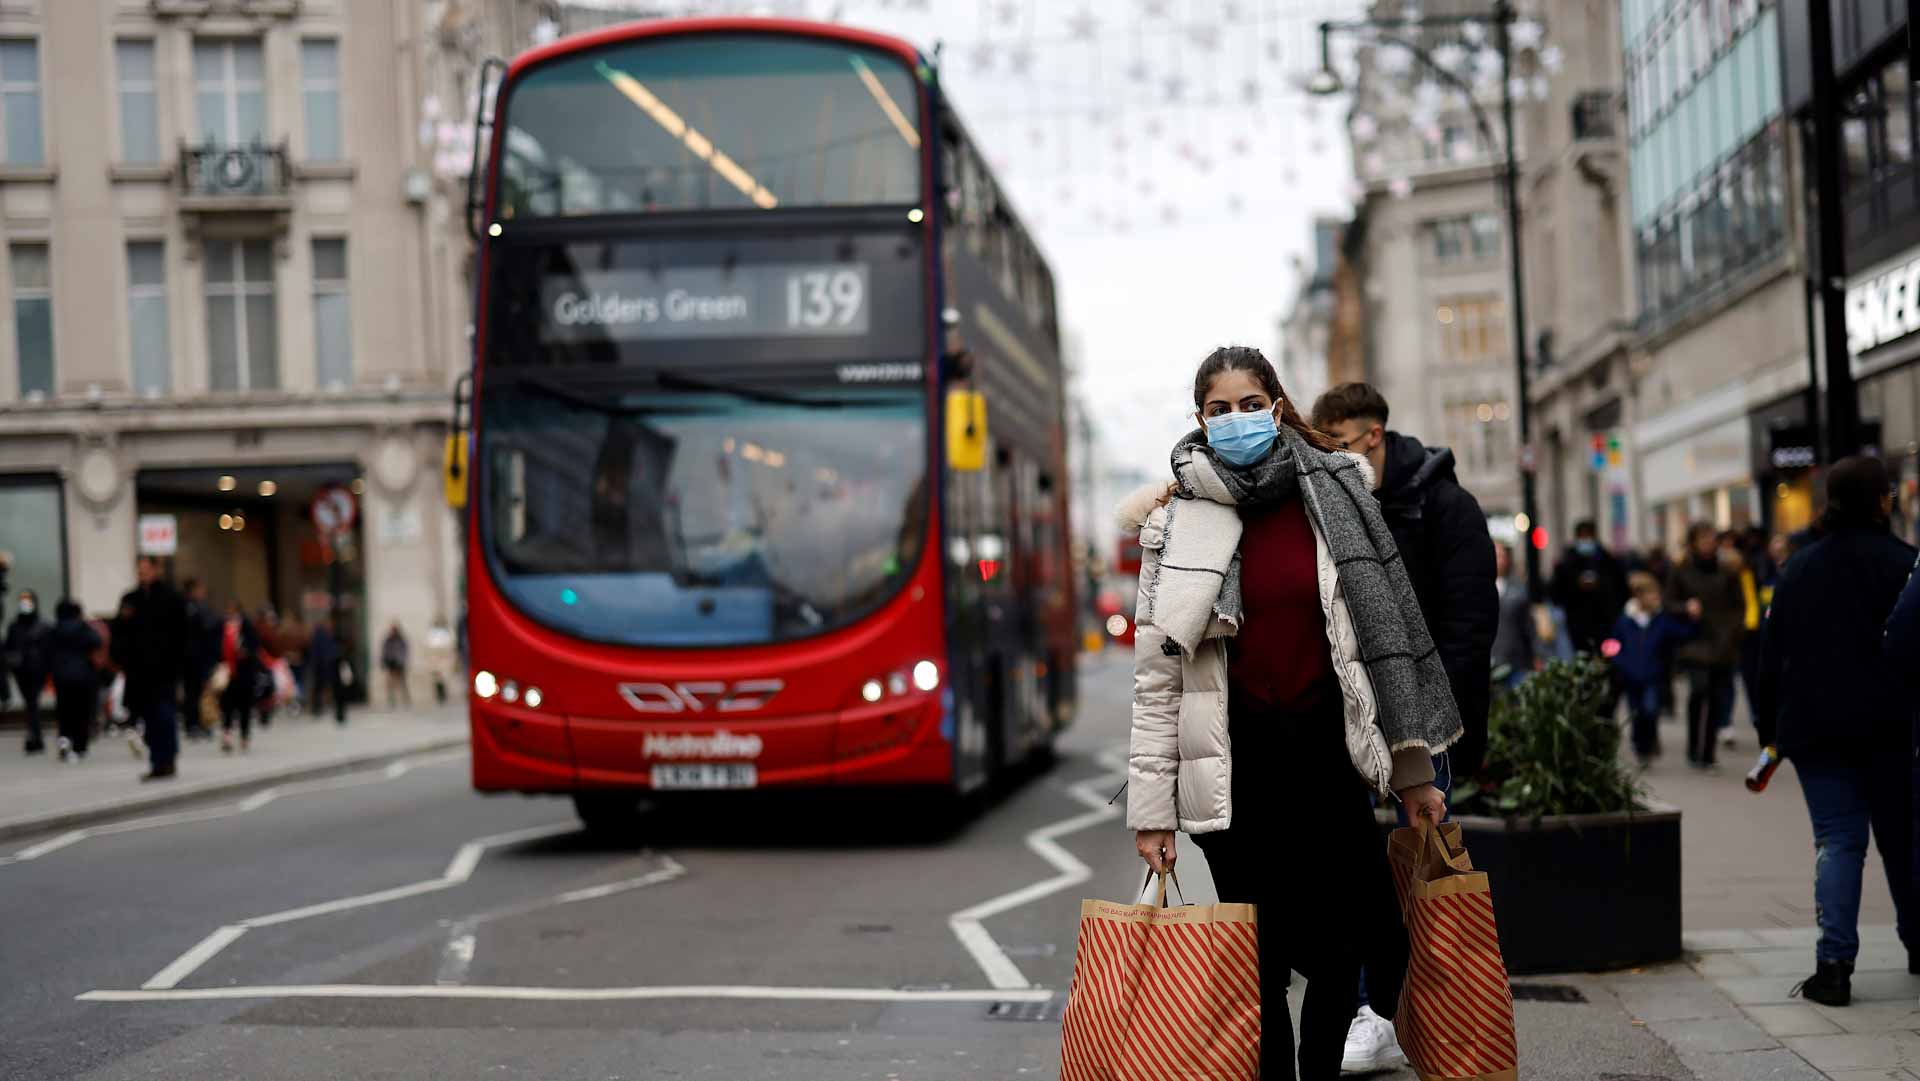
30, 684
236, 704
1709, 703
1303, 847
74, 706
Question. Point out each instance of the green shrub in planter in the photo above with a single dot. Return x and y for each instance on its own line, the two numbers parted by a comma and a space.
1553, 748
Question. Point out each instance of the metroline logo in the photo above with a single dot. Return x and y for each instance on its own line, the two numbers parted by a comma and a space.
721, 744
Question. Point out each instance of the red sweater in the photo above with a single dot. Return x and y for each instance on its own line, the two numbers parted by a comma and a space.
1281, 657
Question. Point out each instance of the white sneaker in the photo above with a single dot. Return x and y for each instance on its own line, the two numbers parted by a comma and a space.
1371, 1044
1727, 739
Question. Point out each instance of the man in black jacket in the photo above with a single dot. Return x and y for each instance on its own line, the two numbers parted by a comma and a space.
1590, 586
1833, 705
1442, 536
149, 643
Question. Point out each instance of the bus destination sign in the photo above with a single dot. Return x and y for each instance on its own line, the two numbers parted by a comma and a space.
766, 301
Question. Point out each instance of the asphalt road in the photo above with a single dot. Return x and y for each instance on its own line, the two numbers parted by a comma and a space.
382, 926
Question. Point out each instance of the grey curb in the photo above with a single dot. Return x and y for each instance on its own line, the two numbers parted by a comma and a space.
173, 796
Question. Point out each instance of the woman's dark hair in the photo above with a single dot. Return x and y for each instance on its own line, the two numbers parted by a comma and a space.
1855, 487
66, 609
1245, 358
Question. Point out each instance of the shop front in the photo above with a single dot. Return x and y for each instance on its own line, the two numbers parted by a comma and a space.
1883, 338
1696, 465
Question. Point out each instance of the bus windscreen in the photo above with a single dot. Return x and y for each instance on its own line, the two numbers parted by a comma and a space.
710, 122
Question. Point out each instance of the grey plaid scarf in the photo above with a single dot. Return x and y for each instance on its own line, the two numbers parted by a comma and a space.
1416, 706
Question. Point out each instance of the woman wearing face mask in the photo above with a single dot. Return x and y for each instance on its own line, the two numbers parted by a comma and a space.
26, 656
1278, 633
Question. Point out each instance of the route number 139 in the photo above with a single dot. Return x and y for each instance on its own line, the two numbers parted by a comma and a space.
819, 299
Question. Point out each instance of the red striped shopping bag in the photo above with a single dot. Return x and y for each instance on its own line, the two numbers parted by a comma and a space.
1455, 1020
1163, 993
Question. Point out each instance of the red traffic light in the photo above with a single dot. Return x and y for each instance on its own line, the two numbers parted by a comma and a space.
1540, 537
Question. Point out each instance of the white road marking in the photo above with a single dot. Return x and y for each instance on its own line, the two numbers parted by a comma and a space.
461, 869
669, 870
566, 994
251, 803
967, 924
183, 965
457, 957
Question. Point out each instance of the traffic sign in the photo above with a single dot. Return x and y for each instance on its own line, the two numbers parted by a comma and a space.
333, 511
159, 534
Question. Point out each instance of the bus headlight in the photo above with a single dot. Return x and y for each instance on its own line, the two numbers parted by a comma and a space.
926, 675
509, 691
533, 698
484, 684
870, 690
1116, 624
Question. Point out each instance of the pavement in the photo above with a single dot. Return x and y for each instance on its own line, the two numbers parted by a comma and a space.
40, 793
1747, 918
389, 923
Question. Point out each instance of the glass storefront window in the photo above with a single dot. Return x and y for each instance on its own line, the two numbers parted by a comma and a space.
33, 536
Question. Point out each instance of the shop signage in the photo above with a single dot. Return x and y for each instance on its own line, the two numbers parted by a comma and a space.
1792, 447
1884, 306
159, 534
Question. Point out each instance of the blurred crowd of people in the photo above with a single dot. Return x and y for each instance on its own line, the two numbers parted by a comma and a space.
170, 663
1658, 617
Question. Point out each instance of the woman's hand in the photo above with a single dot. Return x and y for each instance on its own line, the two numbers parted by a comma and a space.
1424, 802
1156, 847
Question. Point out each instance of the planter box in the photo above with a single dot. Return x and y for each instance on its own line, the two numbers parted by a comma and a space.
1582, 892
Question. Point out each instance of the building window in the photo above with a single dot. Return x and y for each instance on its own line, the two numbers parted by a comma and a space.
33, 529
230, 95
1730, 219
139, 101
1472, 329
20, 101
242, 335
33, 318
332, 314
1467, 238
320, 93
147, 317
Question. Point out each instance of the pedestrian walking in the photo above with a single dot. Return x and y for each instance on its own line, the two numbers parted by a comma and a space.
1708, 593
1590, 586
148, 637
1441, 534
1739, 558
202, 654
240, 655
343, 677
266, 631
72, 645
26, 658
1840, 713
323, 657
1513, 636
393, 665
1644, 638
1279, 632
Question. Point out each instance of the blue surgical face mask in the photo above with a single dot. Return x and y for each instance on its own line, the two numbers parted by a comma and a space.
1586, 547
1242, 438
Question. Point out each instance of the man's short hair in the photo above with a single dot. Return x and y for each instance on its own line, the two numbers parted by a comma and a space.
1585, 527
1350, 401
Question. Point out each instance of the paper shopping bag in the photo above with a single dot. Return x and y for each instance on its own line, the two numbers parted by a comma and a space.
1162, 993
1455, 1019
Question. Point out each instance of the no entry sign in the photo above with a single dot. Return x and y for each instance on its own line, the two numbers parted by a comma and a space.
333, 511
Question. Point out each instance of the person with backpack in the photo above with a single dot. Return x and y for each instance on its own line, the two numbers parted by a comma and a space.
26, 657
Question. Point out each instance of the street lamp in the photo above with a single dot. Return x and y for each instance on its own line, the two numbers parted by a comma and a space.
1501, 20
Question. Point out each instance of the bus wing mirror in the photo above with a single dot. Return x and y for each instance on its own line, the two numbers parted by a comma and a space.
966, 430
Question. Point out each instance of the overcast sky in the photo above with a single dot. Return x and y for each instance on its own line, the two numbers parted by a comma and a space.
1164, 156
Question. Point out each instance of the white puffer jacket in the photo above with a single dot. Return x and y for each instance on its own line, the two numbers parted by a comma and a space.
1180, 760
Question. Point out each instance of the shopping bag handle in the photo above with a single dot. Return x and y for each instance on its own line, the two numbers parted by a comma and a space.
1443, 856
1163, 886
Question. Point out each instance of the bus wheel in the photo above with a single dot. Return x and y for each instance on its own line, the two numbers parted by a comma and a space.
608, 814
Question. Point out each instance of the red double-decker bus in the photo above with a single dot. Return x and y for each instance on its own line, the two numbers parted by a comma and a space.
768, 484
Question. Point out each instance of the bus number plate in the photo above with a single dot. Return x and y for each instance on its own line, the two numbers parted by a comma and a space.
705, 775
